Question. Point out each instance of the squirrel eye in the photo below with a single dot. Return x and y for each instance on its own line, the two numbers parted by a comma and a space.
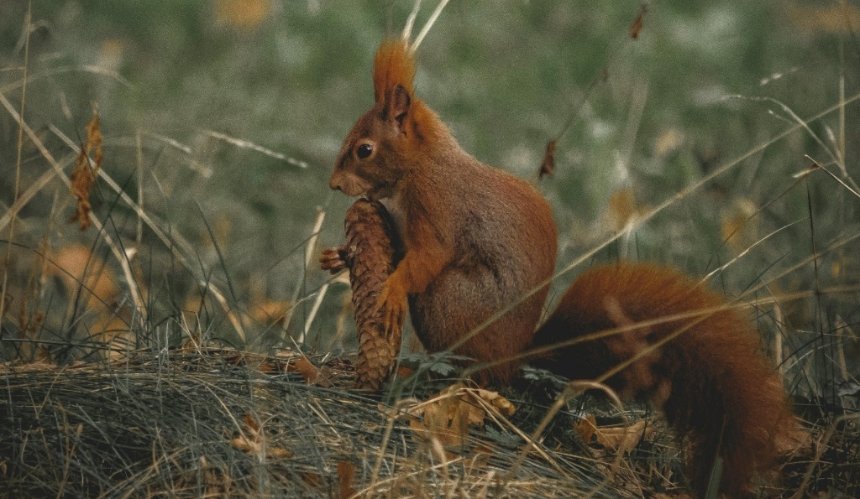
364, 151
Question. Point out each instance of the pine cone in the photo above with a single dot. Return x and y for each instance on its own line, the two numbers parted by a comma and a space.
370, 242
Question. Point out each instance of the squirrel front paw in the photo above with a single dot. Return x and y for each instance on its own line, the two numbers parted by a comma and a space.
335, 259
392, 302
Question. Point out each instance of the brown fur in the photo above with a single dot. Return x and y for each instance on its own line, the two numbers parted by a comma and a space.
712, 381
476, 240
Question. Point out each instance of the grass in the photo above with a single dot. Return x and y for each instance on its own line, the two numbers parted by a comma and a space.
722, 141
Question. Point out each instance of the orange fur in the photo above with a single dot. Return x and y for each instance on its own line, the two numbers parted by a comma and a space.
714, 385
393, 65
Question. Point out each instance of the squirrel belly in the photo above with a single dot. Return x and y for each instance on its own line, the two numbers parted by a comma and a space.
504, 247
716, 388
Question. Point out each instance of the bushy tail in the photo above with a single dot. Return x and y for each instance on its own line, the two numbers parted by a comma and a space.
708, 374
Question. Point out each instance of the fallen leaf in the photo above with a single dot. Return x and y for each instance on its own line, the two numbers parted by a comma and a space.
304, 367
448, 416
253, 441
547, 167
624, 438
585, 428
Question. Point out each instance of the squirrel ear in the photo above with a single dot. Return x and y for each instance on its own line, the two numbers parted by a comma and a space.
397, 104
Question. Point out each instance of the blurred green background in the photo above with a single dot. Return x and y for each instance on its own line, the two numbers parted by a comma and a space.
223, 119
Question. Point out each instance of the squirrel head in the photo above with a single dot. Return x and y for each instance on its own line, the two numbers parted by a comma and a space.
381, 147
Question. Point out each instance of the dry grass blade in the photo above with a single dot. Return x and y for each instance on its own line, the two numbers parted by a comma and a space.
19, 147
310, 249
429, 24
246, 144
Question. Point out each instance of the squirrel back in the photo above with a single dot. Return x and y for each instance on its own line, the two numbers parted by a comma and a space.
711, 380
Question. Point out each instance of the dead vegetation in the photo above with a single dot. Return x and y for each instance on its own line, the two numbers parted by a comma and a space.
215, 423
220, 423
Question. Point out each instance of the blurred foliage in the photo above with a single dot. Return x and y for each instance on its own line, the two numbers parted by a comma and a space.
209, 109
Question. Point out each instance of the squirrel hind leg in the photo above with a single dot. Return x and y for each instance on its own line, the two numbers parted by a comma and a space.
453, 306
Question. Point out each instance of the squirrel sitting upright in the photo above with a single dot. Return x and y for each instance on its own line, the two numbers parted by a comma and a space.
477, 241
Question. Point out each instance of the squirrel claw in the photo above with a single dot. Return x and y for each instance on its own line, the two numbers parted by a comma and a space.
392, 304
334, 259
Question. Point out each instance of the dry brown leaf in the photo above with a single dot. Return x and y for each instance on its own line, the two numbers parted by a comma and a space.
447, 421
448, 416
500, 403
315, 480
245, 445
263, 364
306, 368
278, 453
253, 441
547, 167
442, 420
345, 475
84, 173
637, 24
251, 424
623, 439
270, 367
585, 428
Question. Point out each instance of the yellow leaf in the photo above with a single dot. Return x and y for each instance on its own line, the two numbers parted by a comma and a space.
624, 438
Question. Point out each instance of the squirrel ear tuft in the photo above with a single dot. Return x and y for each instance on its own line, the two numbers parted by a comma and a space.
393, 66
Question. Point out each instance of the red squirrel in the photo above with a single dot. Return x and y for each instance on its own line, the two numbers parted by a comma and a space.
476, 240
